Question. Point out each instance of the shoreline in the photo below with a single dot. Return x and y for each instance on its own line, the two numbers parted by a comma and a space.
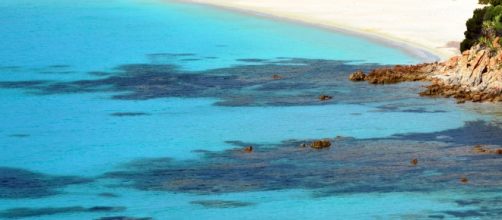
424, 53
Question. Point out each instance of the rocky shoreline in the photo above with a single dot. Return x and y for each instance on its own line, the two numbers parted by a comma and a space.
475, 75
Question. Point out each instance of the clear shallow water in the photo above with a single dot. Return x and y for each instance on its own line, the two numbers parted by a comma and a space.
185, 82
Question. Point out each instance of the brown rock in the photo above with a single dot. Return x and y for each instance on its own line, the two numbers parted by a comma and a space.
320, 144
475, 76
476, 98
325, 97
357, 76
464, 180
478, 149
248, 149
496, 42
414, 162
452, 62
400, 73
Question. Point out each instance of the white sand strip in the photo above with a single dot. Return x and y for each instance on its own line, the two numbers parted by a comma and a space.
433, 25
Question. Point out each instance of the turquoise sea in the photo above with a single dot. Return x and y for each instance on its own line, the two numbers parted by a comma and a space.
140, 109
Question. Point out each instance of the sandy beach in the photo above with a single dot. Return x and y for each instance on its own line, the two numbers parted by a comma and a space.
436, 26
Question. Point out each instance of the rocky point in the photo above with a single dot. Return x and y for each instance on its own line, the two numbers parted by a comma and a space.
475, 75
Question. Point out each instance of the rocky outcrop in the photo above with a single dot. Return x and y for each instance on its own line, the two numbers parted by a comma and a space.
475, 75
479, 149
320, 144
400, 73
357, 76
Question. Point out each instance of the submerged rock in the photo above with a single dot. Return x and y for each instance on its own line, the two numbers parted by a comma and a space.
357, 76
248, 149
479, 149
414, 162
320, 144
464, 180
325, 97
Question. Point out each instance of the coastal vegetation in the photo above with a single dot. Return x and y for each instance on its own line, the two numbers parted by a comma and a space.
484, 26
475, 75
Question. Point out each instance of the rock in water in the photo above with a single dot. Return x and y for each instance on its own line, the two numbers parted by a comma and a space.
357, 76
248, 149
479, 149
320, 144
325, 97
464, 180
414, 162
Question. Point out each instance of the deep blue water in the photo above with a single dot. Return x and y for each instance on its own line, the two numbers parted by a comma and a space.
141, 109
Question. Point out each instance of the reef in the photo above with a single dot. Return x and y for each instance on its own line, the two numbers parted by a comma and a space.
38, 212
221, 203
18, 183
475, 75
349, 165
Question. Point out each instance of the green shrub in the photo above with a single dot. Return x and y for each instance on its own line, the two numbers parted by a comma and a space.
492, 2
485, 22
474, 29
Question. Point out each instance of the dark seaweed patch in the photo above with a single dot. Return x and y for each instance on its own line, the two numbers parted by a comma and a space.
59, 66
483, 207
55, 69
465, 214
125, 114
472, 133
19, 135
190, 59
108, 195
106, 209
221, 203
172, 54
252, 60
10, 68
169, 57
38, 212
349, 166
242, 144
23, 84
123, 218
19, 183
301, 83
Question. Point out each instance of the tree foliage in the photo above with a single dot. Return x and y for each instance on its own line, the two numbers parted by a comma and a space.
486, 23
